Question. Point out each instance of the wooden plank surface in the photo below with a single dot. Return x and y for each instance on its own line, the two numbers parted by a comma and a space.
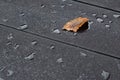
109, 4
25, 56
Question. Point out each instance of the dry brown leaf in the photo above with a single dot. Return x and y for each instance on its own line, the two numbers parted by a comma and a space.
75, 24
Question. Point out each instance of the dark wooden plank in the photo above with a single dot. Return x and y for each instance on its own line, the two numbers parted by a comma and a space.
43, 16
61, 62
110, 4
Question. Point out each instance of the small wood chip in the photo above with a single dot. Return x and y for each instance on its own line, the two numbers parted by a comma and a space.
75, 24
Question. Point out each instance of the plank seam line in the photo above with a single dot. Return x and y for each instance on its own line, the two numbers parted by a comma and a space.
96, 5
59, 41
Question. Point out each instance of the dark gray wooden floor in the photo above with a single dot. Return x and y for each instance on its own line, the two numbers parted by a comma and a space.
109, 4
43, 51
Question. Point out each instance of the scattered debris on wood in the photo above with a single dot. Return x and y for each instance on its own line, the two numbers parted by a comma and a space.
60, 60
30, 57
10, 73
75, 24
105, 75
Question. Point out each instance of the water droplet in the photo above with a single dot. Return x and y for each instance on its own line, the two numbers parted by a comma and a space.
42, 5
57, 31
100, 20
105, 75
75, 34
9, 43
10, 36
34, 42
21, 14
110, 21
10, 73
69, 4
60, 60
83, 54
63, 0
4, 20
62, 6
1, 79
30, 57
16, 46
105, 16
107, 26
94, 14
22, 27
116, 16
53, 21
52, 47
89, 24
